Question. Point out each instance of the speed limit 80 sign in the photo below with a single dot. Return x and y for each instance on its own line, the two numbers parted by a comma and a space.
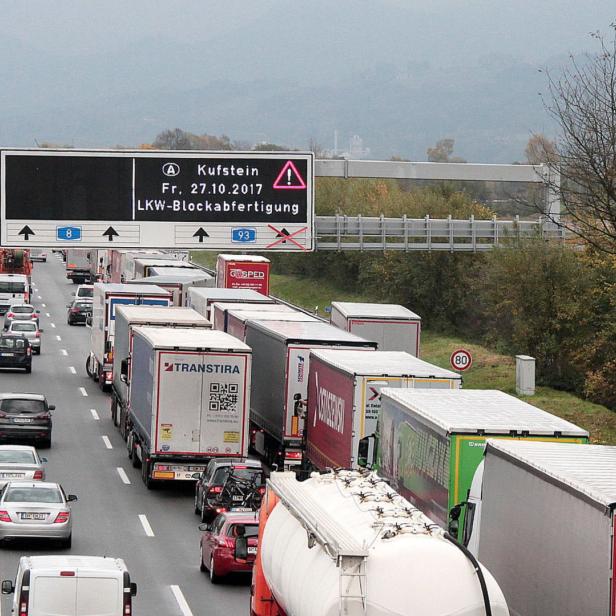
461, 360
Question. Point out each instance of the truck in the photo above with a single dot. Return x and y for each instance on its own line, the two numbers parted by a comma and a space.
123, 262
105, 299
243, 272
202, 299
237, 319
219, 311
127, 317
394, 327
143, 265
430, 442
344, 401
189, 398
344, 543
78, 265
178, 284
281, 353
560, 499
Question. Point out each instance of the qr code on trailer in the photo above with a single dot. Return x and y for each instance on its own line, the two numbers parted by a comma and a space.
223, 396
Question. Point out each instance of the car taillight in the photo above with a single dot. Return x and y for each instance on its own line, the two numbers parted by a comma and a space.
62, 517
28, 352
38, 475
261, 490
74, 310
10, 315
226, 542
215, 490
4, 516
127, 601
33, 316
220, 510
293, 455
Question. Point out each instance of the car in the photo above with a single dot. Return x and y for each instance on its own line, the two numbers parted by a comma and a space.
78, 311
26, 417
30, 330
84, 291
20, 462
38, 255
15, 352
218, 544
36, 509
21, 312
212, 486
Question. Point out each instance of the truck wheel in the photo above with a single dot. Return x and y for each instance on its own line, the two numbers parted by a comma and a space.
213, 577
145, 475
114, 412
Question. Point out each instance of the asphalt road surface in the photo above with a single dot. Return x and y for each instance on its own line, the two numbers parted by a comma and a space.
154, 531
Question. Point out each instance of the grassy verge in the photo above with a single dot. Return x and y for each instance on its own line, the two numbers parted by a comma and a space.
489, 370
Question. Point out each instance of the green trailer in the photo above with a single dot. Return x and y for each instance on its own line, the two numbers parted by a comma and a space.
430, 442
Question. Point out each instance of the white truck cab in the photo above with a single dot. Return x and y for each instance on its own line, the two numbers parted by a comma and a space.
71, 586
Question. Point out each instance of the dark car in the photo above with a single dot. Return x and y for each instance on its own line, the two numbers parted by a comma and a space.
229, 485
78, 311
26, 417
218, 544
15, 352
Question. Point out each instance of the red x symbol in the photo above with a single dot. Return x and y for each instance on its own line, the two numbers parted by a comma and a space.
283, 237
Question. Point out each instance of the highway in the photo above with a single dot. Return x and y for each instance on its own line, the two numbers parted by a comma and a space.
154, 531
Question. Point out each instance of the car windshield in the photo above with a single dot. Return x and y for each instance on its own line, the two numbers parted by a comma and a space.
23, 327
251, 474
20, 405
21, 309
33, 495
12, 287
17, 456
85, 292
252, 530
12, 343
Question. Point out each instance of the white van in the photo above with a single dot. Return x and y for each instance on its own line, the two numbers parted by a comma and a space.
71, 586
14, 289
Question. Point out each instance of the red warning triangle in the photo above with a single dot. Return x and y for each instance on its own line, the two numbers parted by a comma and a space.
289, 178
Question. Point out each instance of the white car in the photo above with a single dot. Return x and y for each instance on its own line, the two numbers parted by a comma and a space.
72, 586
84, 291
30, 330
38, 255
20, 462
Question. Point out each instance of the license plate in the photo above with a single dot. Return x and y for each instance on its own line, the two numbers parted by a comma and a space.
7, 354
33, 516
11, 475
241, 509
252, 549
22, 420
238, 497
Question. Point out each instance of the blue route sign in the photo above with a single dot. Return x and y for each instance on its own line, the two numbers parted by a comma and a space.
68, 234
244, 234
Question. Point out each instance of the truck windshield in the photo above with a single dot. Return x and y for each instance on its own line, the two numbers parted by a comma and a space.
12, 287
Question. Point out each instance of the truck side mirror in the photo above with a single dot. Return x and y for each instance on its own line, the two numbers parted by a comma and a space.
133, 589
7, 587
454, 520
241, 548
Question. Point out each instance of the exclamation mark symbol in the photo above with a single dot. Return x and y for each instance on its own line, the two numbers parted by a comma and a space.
288, 177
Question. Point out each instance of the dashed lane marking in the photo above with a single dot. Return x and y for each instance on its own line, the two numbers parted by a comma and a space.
146, 525
58, 339
83, 392
123, 475
94, 414
181, 601
64, 351
72, 370
52, 324
107, 441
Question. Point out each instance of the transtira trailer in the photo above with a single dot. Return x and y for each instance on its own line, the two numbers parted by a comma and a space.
189, 397
237, 319
281, 353
177, 285
431, 442
345, 544
202, 299
394, 327
106, 298
344, 401
557, 503
243, 272
127, 318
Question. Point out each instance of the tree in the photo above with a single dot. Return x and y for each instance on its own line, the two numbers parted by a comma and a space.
173, 139
442, 152
539, 150
582, 101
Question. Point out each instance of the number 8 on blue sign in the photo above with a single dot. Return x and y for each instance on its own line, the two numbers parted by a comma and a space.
68, 234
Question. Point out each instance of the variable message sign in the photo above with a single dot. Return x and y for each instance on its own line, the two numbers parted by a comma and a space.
248, 201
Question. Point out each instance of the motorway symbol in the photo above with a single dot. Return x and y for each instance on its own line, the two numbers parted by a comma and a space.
110, 233
289, 178
171, 169
243, 234
461, 360
201, 233
68, 234
26, 232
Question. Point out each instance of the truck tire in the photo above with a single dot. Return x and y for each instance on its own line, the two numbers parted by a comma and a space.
114, 411
148, 482
89, 367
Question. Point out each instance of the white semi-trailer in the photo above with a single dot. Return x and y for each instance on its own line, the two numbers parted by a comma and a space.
346, 544
189, 396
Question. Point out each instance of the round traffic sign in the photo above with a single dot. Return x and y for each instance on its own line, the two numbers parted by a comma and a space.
461, 360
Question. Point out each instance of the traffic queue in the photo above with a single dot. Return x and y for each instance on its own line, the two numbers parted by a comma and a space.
297, 431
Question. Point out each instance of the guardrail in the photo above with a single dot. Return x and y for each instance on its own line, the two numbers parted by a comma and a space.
427, 234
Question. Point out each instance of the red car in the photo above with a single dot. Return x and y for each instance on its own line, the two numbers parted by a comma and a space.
218, 543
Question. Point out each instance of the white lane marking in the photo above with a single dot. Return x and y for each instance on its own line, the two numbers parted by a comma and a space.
146, 525
64, 351
94, 414
72, 370
58, 339
44, 305
181, 601
83, 392
39, 297
52, 324
107, 441
123, 475
47, 314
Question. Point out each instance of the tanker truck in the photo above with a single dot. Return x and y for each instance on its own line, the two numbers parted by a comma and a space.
344, 543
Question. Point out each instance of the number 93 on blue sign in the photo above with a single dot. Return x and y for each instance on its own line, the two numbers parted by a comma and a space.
243, 234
